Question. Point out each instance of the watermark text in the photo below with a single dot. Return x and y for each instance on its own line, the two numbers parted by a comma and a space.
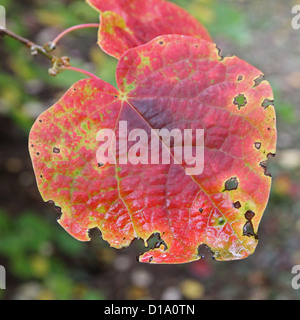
2, 18
296, 18
2, 277
159, 146
296, 279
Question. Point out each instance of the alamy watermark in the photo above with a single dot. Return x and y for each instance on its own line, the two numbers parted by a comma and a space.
157, 146
2, 18
2, 277
296, 279
296, 18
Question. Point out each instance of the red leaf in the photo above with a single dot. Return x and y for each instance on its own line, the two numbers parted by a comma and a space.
172, 82
126, 24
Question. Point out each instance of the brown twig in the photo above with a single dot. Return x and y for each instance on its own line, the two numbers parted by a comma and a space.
58, 64
34, 48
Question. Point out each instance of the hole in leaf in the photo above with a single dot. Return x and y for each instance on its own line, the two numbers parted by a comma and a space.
200, 210
94, 233
267, 102
205, 251
161, 42
272, 155
240, 78
248, 230
264, 164
240, 101
248, 227
237, 205
231, 184
249, 215
56, 150
100, 164
155, 241
259, 80
57, 209
257, 145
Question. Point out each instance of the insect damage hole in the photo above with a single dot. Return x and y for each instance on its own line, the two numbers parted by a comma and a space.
56, 150
57, 209
264, 164
204, 251
155, 241
237, 205
94, 233
240, 101
249, 215
258, 80
231, 184
267, 102
248, 229
257, 145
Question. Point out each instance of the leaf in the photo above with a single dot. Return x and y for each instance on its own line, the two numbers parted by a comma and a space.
126, 24
171, 82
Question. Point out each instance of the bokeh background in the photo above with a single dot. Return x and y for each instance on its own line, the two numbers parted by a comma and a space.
44, 262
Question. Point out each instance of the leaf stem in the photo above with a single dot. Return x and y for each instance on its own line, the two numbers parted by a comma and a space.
91, 75
77, 27
58, 64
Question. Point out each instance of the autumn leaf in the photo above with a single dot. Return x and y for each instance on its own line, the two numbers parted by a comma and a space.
126, 24
171, 82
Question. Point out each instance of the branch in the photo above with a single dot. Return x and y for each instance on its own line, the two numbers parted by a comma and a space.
58, 64
35, 49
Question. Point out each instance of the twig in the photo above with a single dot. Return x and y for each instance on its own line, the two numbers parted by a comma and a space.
58, 64
35, 49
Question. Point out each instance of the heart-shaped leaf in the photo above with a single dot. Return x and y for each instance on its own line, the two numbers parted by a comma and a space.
126, 24
171, 82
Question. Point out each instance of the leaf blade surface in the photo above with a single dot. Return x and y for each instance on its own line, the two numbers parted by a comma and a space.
171, 82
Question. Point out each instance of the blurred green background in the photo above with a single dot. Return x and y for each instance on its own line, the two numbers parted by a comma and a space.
44, 262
